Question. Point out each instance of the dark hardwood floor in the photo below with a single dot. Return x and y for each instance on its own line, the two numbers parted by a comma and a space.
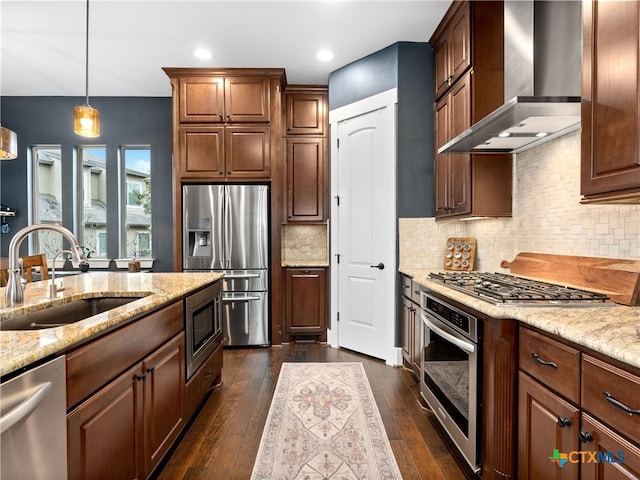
222, 441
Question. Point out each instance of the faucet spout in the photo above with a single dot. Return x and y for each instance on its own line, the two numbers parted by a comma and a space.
14, 292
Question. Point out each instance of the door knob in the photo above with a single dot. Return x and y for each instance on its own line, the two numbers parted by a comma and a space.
380, 266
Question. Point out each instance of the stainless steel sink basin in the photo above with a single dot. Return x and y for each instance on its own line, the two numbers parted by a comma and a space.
65, 314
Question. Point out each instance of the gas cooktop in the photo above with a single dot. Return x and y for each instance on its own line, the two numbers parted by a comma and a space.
509, 290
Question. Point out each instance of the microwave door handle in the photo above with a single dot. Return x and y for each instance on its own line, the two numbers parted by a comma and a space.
25, 408
466, 346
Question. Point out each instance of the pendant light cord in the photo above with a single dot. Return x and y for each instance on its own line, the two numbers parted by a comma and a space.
86, 58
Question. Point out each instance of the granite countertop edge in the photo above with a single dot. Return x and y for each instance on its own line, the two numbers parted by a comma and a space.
304, 263
19, 349
613, 331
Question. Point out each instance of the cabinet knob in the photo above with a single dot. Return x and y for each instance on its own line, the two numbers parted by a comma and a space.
228, 117
209, 374
140, 377
220, 172
564, 422
228, 172
585, 437
221, 117
151, 369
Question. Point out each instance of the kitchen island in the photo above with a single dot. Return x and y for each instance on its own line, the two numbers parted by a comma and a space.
19, 349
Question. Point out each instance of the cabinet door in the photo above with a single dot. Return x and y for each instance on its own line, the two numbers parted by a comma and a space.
105, 432
305, 113
247, 152
416, 350
247, 99
305, 167
306, 301
442, 160
610, 96
201, 99
620, 459
202, 152
407, 331
441, 66
164, 407
460, 44
546, 422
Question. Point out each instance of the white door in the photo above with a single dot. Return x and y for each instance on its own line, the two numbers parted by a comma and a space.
365, 240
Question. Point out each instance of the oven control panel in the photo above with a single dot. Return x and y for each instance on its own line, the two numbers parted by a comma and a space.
450, 315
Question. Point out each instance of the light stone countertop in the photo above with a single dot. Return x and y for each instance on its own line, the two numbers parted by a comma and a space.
305, 263
21, 348
613, 331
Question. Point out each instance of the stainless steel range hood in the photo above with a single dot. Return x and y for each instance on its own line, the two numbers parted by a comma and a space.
542, 75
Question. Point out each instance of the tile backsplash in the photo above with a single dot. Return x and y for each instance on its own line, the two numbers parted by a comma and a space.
305, 243
547, 217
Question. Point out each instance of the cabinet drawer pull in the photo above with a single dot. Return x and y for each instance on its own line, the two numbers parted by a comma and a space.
141, 377
208, 374
542, 362
564, 422
620, 405
585, 437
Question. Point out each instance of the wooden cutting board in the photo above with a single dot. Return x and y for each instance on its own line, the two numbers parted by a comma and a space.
617, 278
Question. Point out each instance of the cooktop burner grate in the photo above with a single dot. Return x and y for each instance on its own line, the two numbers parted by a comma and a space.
504, 289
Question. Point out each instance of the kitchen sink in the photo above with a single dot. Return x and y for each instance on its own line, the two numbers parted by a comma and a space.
64, 314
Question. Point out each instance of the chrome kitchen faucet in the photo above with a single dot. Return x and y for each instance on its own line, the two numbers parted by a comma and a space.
14, 293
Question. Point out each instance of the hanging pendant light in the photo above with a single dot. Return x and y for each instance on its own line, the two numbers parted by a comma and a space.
86, 119
8, 144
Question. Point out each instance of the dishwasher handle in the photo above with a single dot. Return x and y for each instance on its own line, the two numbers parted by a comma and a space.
25, 408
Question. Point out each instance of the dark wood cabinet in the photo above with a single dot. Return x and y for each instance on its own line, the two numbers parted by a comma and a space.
469, 66
305, 153
306, 111
127, 426
411, 326
306, 302
306, 179
465, 184
546, 422
563, 406
452, 52
217, 99
610, 170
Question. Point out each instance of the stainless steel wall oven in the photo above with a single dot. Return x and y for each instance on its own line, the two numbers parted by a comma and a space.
450, 380
203, 325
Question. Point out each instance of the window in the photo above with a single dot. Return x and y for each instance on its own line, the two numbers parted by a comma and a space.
93, 168
46, 197
136, 221
101, 244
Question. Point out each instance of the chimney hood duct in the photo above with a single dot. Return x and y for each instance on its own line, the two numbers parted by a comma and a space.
542, 80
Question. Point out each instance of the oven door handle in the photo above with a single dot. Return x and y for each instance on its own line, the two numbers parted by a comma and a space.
466, 346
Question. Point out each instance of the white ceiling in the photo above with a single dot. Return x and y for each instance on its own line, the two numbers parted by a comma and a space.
42, 49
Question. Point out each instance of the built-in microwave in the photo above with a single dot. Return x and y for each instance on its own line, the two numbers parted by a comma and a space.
203, 325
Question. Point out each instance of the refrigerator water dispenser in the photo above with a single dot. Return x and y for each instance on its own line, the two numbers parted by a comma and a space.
199, 230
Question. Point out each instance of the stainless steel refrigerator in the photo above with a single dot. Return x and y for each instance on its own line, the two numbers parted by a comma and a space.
226, 228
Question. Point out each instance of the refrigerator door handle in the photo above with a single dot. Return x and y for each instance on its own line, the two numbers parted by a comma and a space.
242, 275
244, 298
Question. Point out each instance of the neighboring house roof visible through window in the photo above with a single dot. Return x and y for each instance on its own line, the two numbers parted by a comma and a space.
49, 209
96, 214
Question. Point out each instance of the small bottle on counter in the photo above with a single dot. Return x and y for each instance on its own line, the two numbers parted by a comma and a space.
134, 265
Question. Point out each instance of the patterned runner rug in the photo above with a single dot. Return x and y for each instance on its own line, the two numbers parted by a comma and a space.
323, 423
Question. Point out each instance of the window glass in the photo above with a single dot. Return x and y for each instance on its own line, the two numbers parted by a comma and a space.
137, 218
94, 198
47, 197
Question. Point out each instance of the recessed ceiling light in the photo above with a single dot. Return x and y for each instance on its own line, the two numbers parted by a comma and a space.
202, 53
324, 55
504, 134
541, 134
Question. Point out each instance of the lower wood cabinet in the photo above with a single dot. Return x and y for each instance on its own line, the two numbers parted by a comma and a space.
126, 427
306, 302
595, 432
411, 326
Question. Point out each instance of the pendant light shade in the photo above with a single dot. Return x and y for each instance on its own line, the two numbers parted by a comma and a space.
8, 144
86, 120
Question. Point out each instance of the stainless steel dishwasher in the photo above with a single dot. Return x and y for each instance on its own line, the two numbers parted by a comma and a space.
34, 424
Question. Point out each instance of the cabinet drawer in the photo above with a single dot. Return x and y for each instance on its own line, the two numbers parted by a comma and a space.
554, 364
606, 390
406, 285
93, 365
200, 382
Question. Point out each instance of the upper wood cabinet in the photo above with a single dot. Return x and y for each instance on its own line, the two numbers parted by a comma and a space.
306, 113
452, 52
610, 97
224, 99
472, 185
305, 153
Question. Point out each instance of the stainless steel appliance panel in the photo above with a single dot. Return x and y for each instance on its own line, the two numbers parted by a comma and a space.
203, 212
243, 314
247, 221
34, 424
246, 280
